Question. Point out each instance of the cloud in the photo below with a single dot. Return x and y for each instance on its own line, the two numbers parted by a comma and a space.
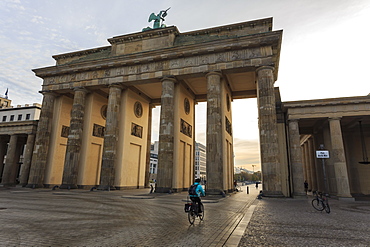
247, 153
37, 19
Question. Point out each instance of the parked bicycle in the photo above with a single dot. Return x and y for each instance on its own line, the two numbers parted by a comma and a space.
321, 202
192, 208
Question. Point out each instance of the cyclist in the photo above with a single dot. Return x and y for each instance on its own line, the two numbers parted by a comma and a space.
195, 198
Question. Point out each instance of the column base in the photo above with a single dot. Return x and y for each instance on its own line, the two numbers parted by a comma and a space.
8, 185
68, 186
34, 186
106, 187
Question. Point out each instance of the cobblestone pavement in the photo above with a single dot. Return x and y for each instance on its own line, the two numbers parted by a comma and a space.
117, 218
294, 222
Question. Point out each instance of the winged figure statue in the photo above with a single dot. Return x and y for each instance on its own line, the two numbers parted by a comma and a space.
157, 19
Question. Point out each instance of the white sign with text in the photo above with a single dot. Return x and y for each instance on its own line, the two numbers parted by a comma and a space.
322, 154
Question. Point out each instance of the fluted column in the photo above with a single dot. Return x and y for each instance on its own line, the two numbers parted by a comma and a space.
27, 159
339, 159
107, 177
271, 170
72, 157
10, 168
3, 147
296, 158
308, 164
42, 143
166, 136
312, 156
215, 154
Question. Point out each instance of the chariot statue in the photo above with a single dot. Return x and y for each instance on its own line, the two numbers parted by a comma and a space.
157, 20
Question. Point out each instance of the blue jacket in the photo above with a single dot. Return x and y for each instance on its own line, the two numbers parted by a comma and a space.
199, 191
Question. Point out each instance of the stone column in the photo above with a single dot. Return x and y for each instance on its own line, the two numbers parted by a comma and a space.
296, 158
339, 159
166, 136
149, 142
25, 172
3, 148
107, 177
308, 164
271, 170
312, 156
40, 153
72, 157
10, 168
215, 153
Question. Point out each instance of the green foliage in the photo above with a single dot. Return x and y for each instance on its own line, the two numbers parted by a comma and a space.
243, 176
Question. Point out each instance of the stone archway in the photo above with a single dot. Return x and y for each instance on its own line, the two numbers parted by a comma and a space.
159, 66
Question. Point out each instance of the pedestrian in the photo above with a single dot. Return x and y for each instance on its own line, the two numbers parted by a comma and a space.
256, 185
305, 186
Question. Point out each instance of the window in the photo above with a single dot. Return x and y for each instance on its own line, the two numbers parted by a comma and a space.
28, 116
19, 117
4, 118
11, 117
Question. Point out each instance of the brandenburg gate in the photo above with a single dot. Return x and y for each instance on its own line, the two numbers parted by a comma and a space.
95, 123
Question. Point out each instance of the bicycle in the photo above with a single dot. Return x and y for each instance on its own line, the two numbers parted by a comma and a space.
192, 209
320, 202
238, 188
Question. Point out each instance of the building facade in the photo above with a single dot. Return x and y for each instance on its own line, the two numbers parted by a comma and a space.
17, 135
341, 128
153, 166
200, 161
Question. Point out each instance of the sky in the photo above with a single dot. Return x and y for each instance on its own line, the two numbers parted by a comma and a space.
324, 52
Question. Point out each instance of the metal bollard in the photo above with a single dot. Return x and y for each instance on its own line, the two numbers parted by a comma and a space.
247, 190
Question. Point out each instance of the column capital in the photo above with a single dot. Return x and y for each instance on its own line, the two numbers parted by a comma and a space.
293, 119
334, 118
168, 78
116, 85
83, 89
264, 67
214, 73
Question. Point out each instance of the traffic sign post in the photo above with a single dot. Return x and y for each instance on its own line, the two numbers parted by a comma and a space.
323, 154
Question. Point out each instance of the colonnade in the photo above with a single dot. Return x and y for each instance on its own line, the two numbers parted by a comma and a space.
17, 148
176, 151
321, 174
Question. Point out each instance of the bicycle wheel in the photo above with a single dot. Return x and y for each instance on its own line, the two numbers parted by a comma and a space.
327, 208
191, 216
317, 204
202, 214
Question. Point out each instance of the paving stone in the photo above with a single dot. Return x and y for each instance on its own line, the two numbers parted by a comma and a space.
40, 217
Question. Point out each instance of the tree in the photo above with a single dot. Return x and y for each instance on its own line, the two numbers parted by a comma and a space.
244, 176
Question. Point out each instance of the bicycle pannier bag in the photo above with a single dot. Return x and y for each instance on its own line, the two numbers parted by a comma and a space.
187, 207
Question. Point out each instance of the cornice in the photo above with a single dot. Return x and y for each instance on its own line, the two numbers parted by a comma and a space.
79, 53
326, 102
159, 32
241, 25
250, 41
